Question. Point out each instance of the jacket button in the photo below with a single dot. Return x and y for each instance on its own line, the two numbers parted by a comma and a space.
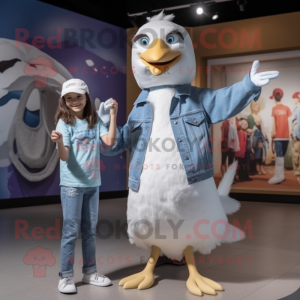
187, 158
179, 140
175, 122
195, 121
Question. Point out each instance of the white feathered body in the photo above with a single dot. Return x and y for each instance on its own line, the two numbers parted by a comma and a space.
165, 199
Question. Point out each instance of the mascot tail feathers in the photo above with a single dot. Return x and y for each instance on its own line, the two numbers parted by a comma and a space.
230, 205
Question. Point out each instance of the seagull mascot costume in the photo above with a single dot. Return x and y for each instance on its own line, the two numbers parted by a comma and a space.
174, 207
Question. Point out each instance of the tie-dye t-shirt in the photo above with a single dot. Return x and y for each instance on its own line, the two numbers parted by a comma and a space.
82, 169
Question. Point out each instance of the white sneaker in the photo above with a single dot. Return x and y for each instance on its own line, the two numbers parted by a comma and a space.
66, 285
279, 171
96, 279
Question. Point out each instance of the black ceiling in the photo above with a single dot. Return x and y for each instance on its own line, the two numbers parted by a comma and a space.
115, 12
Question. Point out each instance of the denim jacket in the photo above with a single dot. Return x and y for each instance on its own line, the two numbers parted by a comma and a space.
192, 111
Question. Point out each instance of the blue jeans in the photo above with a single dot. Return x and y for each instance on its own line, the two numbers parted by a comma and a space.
80, 211
281, 147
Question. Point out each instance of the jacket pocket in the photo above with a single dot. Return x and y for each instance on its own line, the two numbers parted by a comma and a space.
198, 140
134, 124
136, 129
194, 119
195, 125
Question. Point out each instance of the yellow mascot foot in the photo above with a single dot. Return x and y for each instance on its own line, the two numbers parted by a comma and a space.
196, 283
145, 279
142, 280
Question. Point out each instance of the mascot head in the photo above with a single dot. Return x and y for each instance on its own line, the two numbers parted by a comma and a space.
162, 53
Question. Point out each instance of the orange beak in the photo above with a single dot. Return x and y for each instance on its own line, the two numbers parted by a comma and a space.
159, 57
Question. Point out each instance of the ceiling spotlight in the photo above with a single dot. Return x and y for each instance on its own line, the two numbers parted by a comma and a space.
199, 10
242, 4
215, 16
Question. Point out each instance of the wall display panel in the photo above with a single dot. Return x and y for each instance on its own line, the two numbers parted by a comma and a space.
259, 120
38, 52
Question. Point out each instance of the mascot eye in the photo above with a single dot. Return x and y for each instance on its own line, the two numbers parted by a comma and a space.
172, 38
45, 68
36, 68
144, 41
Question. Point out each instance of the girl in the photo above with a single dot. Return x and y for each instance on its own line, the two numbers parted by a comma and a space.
78, 135
258, 143
229, 142
256, 108
243, 154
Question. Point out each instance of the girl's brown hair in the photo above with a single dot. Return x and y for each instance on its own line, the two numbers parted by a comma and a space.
64, 113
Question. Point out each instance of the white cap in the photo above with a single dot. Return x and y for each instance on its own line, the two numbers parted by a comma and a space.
74, 86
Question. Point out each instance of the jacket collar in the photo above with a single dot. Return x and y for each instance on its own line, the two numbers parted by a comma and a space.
183, 89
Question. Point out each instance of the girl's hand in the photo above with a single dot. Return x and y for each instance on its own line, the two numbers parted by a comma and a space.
56, 136
114, 109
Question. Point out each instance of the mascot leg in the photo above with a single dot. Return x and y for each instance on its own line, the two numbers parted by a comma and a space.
196, 283
144, 279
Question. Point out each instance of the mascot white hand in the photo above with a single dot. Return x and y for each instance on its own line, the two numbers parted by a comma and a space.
263, 78
104, 110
